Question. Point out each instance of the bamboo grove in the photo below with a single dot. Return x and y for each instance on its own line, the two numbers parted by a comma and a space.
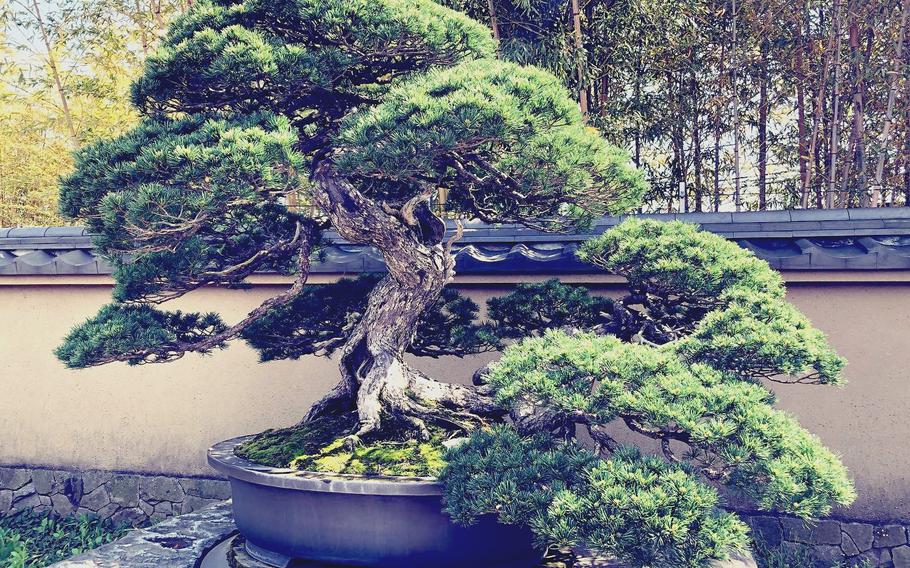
725, 104
751, 104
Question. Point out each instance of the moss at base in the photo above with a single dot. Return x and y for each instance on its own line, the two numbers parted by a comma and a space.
319, 446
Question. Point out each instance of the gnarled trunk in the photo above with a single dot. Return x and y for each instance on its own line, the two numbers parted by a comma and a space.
376, 381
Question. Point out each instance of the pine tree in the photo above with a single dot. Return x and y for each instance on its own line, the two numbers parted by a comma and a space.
363, 111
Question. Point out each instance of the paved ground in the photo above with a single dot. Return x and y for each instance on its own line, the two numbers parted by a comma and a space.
232, 554
180, 542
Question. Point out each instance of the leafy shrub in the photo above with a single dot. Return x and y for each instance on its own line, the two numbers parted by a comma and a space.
34, 539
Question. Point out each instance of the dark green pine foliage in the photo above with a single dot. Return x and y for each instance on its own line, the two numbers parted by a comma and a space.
551, 171
319, 319
641, 509
131, 328
532, 308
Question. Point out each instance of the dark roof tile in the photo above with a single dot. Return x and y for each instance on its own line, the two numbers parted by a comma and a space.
861, 239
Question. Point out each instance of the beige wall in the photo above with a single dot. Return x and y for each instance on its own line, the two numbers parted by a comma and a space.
163, 417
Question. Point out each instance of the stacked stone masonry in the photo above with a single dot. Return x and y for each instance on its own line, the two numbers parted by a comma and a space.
835, 542
125, 498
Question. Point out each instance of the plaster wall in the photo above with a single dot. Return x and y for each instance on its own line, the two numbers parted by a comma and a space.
161, 418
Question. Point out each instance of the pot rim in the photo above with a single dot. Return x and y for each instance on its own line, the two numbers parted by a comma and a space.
221, 457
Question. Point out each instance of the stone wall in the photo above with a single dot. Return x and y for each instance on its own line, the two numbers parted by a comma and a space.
123, 497
837, 542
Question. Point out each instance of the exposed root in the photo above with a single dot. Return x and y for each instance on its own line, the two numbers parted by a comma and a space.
339, 400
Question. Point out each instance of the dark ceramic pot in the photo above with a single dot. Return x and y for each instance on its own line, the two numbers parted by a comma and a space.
360, 521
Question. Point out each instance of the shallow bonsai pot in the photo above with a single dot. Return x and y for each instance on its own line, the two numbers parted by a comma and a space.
384, 522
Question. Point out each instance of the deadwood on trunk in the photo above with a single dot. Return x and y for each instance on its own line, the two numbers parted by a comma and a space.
376, 381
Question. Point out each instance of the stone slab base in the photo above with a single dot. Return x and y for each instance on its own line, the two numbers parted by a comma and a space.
125, 498
178, 542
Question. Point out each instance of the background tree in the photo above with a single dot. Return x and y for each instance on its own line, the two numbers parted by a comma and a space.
67, 67
658, 78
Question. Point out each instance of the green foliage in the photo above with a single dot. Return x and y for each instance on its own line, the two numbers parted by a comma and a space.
768, 556
449, 327
33, 540
136, 329
243, 97
316, 322
13, 552
532, 308
319, 446
680, 360
676, 259
640, 509
726, 307
506, 141
730, 426
307, 56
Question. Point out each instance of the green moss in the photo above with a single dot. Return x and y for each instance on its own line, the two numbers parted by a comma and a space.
319, 446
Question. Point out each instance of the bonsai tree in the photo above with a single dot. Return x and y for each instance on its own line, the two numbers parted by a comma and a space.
267, 122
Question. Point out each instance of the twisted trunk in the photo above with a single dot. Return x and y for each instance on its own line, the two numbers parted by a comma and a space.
376, 381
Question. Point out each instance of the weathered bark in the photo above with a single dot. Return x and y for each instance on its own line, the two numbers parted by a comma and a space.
375, 379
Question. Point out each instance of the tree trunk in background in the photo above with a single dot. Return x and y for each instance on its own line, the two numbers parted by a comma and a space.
139, 18
820, 96
889, 111
580, 58
156, 11
717, 126
494, 21
55, 73
637, 93
834, 144
737, 196
678, 141
763, 126
696, 141
907, 171
802, 142
857, 134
